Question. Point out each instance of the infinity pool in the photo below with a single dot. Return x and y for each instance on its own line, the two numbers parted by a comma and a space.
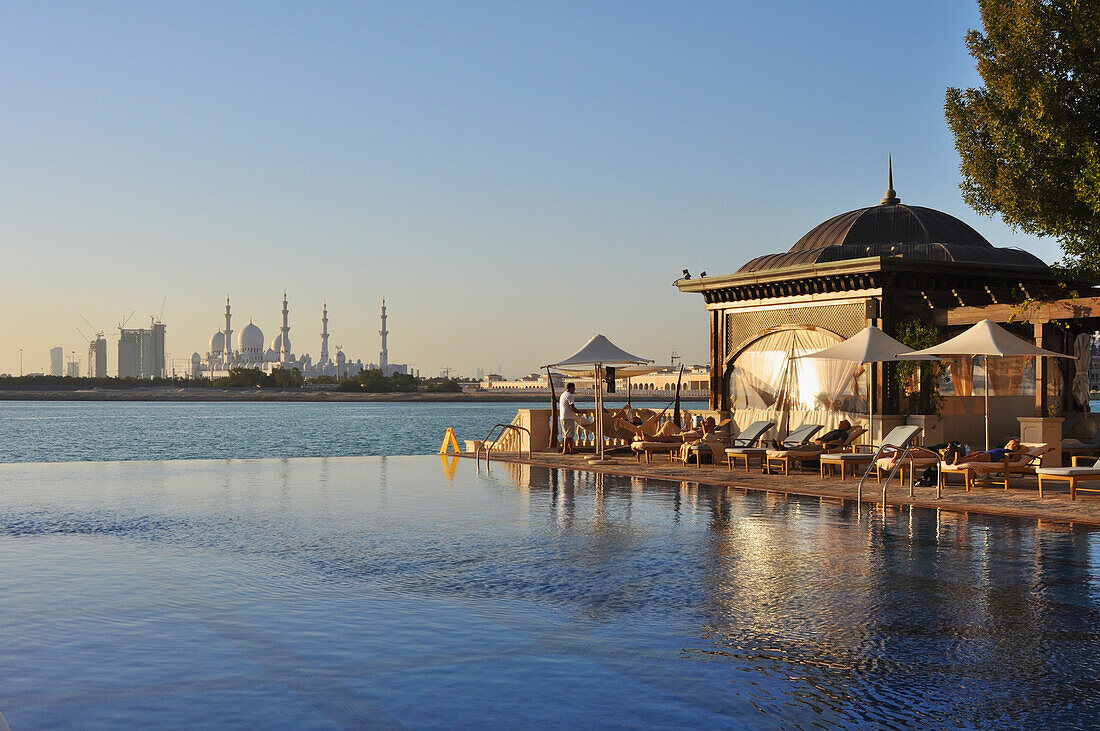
414, 591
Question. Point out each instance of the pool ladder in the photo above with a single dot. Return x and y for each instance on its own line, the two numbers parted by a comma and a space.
886, 482
488, 441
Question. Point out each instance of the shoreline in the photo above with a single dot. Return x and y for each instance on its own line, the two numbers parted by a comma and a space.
200, 395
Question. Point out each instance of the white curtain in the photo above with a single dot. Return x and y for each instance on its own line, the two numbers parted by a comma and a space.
769, 378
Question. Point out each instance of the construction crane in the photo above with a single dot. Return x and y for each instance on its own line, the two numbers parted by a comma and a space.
125, 320
98, 332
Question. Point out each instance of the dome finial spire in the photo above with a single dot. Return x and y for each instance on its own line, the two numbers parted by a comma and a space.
891, 198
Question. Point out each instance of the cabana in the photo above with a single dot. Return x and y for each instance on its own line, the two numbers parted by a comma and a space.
594, 360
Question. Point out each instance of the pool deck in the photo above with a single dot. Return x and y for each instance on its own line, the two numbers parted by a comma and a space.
1019, 501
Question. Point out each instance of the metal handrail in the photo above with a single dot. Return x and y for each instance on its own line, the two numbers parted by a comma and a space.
871, 465
503, 428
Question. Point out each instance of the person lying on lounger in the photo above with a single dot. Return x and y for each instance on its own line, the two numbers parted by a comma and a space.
1013, 447
830, 440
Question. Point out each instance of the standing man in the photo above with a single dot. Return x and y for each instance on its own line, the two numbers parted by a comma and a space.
568, 418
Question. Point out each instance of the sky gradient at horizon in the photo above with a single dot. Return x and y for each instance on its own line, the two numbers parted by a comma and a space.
512, 178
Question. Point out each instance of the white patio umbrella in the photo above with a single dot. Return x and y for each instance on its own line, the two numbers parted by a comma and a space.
985, 339
598, 354
869, 345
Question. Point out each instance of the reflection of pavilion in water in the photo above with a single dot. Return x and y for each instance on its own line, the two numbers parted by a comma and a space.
881, 265
802, 590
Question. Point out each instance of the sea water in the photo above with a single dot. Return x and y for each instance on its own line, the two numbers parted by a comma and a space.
64, 431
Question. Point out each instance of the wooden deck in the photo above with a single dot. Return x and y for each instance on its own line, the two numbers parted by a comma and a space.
1020, 501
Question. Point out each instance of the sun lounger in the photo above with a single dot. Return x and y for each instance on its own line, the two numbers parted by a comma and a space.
801, 435
919, 458
714, 447
744, 445
1083, 470
900, 439
783, 458
1016, 464
798, 436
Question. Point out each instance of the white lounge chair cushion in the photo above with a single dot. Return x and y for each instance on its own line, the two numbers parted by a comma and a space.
651, 446
746, 450
1069, 471
886, 463
847, 457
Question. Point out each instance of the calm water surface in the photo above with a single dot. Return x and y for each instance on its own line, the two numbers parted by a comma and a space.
66, 431
414, 591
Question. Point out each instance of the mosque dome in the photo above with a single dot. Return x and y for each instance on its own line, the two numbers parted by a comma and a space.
251, 338
277, 344
217, 342
891, 229
196, 358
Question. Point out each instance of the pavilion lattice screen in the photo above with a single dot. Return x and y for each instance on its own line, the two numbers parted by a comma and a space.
845, 320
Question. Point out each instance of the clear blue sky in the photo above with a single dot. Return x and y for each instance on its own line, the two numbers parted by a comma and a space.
512, 177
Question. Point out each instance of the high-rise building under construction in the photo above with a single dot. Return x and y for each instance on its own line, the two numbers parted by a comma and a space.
97, 357
141, 352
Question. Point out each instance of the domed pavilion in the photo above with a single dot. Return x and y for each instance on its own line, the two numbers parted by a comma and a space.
882, 265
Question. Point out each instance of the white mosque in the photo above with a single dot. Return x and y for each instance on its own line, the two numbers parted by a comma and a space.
250, 352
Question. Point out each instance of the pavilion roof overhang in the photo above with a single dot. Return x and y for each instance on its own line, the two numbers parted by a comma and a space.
941, 284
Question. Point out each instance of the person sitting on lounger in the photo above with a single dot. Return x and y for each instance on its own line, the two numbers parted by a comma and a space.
1013, 447
706, 435
830, 440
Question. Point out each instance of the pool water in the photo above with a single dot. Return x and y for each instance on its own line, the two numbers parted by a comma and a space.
416, 591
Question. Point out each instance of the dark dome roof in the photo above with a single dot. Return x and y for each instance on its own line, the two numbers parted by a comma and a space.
892, 229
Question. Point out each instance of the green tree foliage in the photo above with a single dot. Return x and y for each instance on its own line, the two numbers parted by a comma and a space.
1030, 138
918, 332
255, 378
65, 383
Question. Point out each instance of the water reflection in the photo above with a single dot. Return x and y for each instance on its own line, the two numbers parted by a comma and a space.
864, 618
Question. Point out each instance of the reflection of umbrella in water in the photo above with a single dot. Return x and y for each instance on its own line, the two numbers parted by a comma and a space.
984, 339
597, 355
869, 345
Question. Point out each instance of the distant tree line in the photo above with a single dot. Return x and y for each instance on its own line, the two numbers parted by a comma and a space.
372, 380
66, 383
256, 378
368, 381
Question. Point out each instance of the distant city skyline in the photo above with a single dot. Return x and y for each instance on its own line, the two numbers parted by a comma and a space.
512, 178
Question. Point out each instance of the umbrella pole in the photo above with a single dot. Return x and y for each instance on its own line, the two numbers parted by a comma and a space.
599, 413
985, 363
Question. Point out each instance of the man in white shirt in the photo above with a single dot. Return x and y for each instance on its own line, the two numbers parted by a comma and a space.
568, 412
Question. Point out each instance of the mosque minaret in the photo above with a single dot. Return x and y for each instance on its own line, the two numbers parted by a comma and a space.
284, 335
324, 361
227, 343
384, 355
250, 353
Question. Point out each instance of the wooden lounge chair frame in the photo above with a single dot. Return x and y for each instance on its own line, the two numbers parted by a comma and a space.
799, 436
1006, 468
1073, 479
785, 461
744, 445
